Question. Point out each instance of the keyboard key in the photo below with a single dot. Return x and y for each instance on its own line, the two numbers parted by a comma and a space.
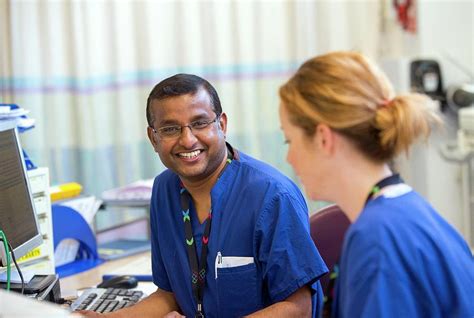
102, 307
106, 300
111, 306
138, 293
115, 291
121, 305
95, 306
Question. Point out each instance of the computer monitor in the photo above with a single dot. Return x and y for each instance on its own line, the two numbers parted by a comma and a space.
17, 210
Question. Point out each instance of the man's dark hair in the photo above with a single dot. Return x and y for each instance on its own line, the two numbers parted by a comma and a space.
181, 84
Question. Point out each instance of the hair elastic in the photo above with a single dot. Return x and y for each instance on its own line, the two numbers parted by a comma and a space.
386, 102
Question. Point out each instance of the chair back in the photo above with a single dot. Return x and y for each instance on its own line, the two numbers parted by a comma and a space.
328, 227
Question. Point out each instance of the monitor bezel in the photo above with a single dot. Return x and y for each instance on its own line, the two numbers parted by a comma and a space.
37, 239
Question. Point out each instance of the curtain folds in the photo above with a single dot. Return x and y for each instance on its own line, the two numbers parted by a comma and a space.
84, 70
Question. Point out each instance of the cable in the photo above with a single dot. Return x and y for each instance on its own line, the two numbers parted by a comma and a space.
7, 252
19, 270
460, 67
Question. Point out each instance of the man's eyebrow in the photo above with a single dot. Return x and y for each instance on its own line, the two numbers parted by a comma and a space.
172, 122
167, 122
201, 117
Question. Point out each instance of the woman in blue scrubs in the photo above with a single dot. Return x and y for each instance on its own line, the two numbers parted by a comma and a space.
343, 125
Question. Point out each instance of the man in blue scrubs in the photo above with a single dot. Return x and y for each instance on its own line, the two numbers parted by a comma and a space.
247, 221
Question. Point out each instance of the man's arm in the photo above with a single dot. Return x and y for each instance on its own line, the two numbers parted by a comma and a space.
157, 304
296, 305
288, 255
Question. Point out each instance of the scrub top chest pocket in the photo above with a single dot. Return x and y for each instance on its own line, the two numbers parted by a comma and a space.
237, 288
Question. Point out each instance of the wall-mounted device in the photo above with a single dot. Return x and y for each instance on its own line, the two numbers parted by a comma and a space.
425, 77
460, 96
416, 75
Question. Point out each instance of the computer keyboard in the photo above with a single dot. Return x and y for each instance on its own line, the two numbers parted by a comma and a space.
106, 300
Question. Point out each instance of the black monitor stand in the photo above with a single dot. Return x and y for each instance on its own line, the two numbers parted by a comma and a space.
43, 287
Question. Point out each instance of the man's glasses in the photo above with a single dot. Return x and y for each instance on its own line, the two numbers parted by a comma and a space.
174, 131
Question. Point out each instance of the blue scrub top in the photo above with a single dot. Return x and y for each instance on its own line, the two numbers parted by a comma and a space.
260, 228
402, 259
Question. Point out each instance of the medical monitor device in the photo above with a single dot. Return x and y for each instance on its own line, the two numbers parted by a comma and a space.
17, 210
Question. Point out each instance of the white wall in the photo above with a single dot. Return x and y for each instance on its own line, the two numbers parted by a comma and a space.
445, 33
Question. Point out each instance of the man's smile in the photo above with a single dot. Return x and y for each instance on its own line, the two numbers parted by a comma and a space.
190, 154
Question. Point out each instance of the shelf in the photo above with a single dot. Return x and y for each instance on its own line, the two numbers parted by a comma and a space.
115, 217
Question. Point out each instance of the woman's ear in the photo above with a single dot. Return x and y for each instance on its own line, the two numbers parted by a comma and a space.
325, 138
152, 138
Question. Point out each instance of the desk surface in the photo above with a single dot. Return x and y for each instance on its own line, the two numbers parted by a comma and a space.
93, 276
16, 305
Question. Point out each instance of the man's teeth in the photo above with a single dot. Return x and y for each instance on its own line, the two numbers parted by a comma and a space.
191, 154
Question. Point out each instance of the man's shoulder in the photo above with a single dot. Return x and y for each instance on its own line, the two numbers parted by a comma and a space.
165, 178
257, 178
259, 172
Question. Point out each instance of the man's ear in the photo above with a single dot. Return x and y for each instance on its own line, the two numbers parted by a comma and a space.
325, 138
152, 138
223, 123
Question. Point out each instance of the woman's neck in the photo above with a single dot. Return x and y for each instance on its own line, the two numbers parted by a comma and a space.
357, 185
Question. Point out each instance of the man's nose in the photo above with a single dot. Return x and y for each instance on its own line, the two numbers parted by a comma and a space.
187, 137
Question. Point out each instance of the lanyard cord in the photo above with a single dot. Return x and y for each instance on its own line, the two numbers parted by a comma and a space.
198, 271
198, 266
388, 181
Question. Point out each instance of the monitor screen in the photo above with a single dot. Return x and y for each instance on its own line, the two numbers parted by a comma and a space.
17, 211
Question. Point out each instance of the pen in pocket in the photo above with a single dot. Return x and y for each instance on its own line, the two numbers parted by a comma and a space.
218, 261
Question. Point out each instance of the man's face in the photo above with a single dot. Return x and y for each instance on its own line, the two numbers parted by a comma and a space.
193, 155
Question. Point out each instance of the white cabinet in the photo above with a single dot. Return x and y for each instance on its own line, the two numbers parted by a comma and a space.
41, 259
